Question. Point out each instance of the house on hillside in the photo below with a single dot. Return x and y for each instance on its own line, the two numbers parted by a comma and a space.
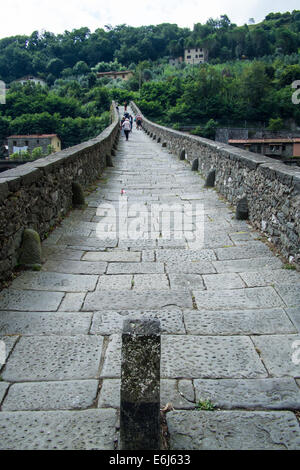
196, 55
175, 61
17, 143
30, 79
124, 74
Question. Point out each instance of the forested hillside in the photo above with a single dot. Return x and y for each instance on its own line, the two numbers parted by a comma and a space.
248, 77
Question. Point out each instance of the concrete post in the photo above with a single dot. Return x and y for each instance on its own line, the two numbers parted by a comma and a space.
140, 385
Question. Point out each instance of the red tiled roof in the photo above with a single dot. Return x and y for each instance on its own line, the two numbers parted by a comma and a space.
32, 136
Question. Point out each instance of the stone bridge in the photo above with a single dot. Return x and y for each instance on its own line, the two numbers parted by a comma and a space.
153, 241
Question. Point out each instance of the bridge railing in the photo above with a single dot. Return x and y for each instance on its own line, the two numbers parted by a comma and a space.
38, 194
272, 189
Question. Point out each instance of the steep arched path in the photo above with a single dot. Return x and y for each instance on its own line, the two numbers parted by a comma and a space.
229, 315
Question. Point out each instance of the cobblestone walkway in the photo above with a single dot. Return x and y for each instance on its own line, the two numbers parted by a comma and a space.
229, 312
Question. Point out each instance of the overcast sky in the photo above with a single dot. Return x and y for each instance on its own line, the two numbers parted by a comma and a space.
26, 16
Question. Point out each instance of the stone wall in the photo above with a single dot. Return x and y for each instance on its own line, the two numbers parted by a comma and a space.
272, 188
38, 194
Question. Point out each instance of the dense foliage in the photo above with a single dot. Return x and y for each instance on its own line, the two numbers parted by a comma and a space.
48, 55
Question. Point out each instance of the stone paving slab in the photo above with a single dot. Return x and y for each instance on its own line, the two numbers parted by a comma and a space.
44, 323
294, 314
256, 297
45, 358
186, 281
242, 252
171, 391
61, 252
129, 300
55, 282
271, 393
113, 256
3, 389
185, 255
112, 363
238, 322
10, 342
58, 430
115, 282
151, 281
243, 265
289, 293
233, 430
135, 268
266, 277
83, 242
223, 281
209, 357
71, 395
185, 267
30, 300
75, 267
278, 353
72, 302
111, 322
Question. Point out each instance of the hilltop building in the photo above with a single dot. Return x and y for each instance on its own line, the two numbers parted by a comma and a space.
30, 79
196, 55
17, 143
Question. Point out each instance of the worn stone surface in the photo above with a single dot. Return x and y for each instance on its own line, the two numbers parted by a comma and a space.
279, 355
107, 323
135, 268
44, 323
228, 311
29, 300
238, 322
210, 357
54, 358
75, 267
55, 282
261, 394
258, 297
127, 300
71, 395
58, 430
233, 430
3, 388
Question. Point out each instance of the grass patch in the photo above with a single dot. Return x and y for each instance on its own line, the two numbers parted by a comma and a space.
292, 267
205, 405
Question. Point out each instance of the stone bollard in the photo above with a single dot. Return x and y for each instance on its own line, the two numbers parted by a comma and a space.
195, 165
182, 154
210, 180
30, 250
140, 385
242, 210
109, 161
164, 144
78, 195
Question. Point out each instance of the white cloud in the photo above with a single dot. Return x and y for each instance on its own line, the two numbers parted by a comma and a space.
23, 17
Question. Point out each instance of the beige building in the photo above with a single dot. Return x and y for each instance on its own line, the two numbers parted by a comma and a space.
18, 143
31, 79
124, 75
197, 55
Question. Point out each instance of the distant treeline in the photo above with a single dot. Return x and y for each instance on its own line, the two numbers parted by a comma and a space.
52, 56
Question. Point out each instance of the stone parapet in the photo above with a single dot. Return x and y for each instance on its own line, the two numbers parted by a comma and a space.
271, 188
38, 194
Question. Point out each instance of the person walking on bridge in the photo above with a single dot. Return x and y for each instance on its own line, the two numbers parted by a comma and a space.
127, 128
139, 121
